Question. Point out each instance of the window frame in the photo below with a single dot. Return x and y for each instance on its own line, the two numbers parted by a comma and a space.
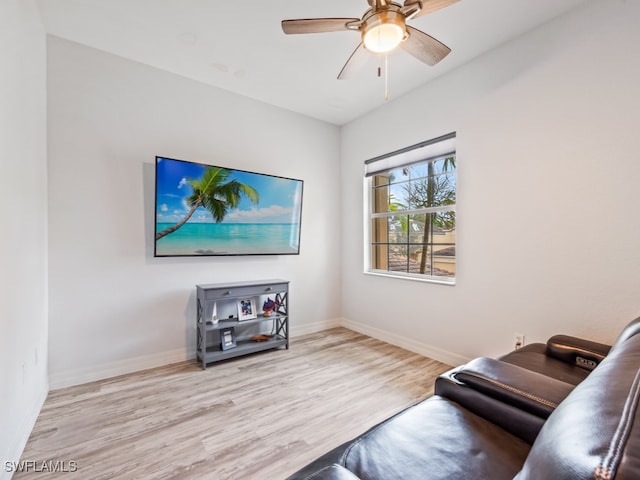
430, 151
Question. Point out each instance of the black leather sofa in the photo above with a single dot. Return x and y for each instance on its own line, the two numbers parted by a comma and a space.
567, 409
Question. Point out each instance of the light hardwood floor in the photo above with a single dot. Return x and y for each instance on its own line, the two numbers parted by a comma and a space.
258, 417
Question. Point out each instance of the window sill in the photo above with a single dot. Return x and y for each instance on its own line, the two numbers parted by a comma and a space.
413, 277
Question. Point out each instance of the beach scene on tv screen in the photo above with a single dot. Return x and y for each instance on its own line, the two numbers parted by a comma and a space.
211, 210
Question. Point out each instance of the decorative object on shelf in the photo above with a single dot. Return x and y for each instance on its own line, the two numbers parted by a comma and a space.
214, 313
262, 337
247, 309
268, 306
227, 338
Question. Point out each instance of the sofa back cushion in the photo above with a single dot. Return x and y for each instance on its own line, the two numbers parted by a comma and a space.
436, 440
633, 328
595, 432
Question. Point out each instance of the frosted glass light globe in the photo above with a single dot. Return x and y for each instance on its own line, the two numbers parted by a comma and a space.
383, 38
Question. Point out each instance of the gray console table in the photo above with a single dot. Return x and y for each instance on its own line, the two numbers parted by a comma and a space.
231, 337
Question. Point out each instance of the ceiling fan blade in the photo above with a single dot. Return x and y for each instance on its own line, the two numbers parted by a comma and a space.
316, 25
356, 62
424, 47
429, 6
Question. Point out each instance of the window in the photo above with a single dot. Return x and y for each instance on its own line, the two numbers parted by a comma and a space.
412, 211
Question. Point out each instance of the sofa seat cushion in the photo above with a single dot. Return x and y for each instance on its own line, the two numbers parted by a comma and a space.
435, 440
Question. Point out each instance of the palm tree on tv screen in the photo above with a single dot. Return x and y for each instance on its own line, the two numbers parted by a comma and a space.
213, 192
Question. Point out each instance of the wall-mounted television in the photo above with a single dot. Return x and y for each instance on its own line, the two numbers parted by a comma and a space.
213, 210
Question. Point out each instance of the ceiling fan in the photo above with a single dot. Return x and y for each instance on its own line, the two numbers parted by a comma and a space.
383, 27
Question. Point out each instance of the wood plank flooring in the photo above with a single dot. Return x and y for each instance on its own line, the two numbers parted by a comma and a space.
258, 417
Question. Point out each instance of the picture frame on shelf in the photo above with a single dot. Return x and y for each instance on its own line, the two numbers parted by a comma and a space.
214, 314
227, 338
247, 309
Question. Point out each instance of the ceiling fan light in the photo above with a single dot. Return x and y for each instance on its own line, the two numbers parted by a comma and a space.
383, 32
383, 38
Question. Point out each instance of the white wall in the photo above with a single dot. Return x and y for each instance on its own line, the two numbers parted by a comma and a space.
113, 307
548, 224
547, 187
23, 242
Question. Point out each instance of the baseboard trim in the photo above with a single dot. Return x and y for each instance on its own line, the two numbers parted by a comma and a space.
315, 327
22, 435
410, 344
69, 378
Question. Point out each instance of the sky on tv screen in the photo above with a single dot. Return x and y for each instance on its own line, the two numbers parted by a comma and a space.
279, 198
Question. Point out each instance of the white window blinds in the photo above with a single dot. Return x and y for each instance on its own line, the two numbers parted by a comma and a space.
429, 150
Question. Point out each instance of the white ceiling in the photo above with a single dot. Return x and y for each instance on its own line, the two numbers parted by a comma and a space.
239, 46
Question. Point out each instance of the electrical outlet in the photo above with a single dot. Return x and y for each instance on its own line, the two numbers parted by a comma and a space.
519, 340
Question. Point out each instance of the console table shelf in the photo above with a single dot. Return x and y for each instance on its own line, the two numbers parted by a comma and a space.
234, 322
243, 347
223, 298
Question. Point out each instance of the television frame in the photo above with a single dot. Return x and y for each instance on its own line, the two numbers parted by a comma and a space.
272, 226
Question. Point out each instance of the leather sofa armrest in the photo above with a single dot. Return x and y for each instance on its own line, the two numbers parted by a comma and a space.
577, 351
323, 464
530, 391
332, 472
523, 425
